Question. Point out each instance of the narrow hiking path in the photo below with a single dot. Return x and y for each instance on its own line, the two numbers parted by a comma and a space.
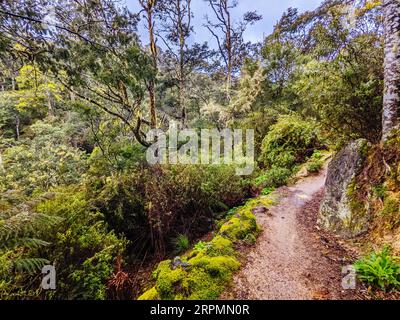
293, 259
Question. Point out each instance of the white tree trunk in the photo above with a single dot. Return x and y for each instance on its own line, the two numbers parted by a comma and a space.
391, 97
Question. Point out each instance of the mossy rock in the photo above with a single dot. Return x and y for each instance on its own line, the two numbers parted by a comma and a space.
211, 268
341, 211
221, 266
168, 280
150, 294
220, 246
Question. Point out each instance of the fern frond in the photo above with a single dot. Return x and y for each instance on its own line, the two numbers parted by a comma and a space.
25, 225
30, 265
30, 243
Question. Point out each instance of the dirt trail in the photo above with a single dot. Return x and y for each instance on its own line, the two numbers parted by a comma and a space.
292, 258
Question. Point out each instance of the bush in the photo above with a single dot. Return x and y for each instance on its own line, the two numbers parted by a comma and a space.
379, 269
289, 142
82, 247
36, 165
181, 243
152, 205
315, 163
274, 177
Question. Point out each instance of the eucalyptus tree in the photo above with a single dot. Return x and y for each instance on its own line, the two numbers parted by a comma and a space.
229, 36
391, 97
91, 47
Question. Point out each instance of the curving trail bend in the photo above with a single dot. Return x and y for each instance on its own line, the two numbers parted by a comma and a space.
293, 259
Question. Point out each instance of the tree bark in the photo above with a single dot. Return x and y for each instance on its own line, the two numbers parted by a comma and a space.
50, 105
181, 63
153, 47
17, 124
391, 97
229, 50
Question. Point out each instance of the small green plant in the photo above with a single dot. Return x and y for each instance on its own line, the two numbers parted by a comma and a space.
181, 243
267, 191
315, 163
379, 191
200, 246
317, 155
274, 177
379, 269
314, 166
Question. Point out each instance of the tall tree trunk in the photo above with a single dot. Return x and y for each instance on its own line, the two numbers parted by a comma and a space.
2, 170
50, 105
391, 97
17, 124
153, 47
181, 94
229, 50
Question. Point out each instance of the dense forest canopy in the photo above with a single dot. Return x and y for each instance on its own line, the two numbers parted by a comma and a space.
79, 91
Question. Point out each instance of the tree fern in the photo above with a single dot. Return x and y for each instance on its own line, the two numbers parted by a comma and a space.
20, 233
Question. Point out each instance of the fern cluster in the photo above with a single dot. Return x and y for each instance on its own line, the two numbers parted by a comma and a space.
20, 233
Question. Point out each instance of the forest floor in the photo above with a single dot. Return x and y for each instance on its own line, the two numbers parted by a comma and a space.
293, 259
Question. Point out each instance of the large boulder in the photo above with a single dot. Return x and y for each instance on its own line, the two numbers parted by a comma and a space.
340, 212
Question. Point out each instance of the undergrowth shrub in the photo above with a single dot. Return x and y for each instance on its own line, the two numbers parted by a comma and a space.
380, 269
36, 164
315, 163
151, 206
181, 243
73, 237
203, 273
289, 143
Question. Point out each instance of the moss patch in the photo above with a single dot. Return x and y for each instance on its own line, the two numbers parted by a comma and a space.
205, 271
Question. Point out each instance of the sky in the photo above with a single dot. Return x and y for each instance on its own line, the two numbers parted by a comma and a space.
271, 10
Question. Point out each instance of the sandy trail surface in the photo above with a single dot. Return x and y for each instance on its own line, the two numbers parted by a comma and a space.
293, 259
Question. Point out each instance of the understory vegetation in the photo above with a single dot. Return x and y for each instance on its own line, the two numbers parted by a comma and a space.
80, 92
203, 273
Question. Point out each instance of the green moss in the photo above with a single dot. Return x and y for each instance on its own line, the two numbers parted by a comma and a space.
168, 279
151, 294
203, 286
364, 148
220, 246
221, 266
239, 227
211, 265
391, 210
357, 206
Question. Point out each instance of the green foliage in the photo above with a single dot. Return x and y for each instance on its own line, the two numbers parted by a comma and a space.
266, 191
63, 230
380, 269
315, 163
87, 264
42, 162
346, 98
209, 267
21, 234
151, 205
181, 243
200, 246
289, 141
274, 177
379, 191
